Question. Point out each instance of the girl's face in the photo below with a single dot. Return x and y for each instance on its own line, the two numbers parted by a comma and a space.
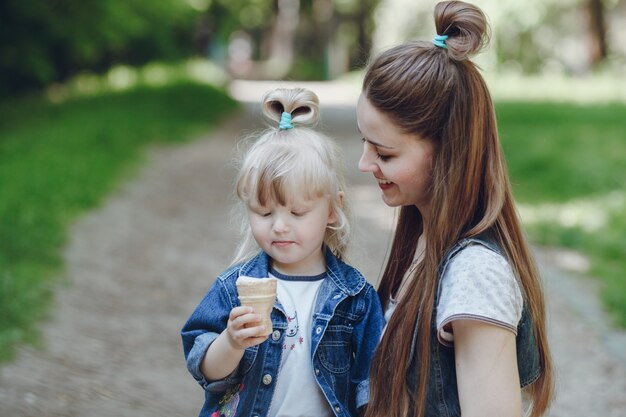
400, 162
292, 235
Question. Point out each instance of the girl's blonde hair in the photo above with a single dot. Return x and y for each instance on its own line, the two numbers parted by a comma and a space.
299, 162
439, 94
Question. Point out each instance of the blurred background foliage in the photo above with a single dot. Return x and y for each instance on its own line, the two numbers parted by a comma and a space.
86, 84
49, 41
572, 37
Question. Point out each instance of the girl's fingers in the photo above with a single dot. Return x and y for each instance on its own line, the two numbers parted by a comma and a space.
243, 327
247, 337
239, 311
255, 340
246, 321
252, 332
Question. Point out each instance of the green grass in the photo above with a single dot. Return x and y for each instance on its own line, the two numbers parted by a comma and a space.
59, 160
568, 167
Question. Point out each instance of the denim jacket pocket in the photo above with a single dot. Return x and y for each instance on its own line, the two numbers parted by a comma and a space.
334, 349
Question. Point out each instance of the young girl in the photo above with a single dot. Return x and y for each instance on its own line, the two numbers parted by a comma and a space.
466, 320
327, 319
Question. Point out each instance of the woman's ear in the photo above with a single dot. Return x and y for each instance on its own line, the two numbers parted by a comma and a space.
332, 215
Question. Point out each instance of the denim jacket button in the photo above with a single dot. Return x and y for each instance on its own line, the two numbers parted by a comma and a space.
337, 408
275, 335
317, 371
318, 329
267, 379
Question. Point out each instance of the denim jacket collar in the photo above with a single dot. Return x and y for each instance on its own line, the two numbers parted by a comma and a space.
350, 284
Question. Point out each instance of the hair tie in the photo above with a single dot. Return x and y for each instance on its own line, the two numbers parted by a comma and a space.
285, 121
440, 41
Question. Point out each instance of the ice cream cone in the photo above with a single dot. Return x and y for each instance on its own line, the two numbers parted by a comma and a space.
260, 294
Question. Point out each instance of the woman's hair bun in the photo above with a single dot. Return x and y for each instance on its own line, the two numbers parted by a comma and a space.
302, 104
465, 25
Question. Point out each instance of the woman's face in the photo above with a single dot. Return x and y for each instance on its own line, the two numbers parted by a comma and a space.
400, 162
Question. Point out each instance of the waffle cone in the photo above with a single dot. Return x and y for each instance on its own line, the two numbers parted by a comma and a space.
260, 294
250, 286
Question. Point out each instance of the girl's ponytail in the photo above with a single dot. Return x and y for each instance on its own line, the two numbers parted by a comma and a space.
302, 105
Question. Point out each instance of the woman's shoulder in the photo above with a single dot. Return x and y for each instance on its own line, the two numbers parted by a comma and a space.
478, 256
480, 268
479, 283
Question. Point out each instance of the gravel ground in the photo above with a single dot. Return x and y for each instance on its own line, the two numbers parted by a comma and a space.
138, 265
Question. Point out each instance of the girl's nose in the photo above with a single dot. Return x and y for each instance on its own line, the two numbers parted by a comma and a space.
280, 225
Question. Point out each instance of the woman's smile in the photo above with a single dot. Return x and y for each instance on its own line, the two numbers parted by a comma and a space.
384, 184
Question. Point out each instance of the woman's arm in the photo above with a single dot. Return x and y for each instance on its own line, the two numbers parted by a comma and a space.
486, 370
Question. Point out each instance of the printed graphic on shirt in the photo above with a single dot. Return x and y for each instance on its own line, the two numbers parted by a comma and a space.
292, 325
294, 338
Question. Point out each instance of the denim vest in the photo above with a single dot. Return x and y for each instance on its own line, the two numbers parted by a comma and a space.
346, 326
442, 397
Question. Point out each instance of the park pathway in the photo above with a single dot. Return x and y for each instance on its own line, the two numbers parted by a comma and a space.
138, 265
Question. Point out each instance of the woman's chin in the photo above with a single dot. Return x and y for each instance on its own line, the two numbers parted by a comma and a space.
390, 202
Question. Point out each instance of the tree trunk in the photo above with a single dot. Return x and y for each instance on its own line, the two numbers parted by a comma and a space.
364, 43
596, 30
281, 53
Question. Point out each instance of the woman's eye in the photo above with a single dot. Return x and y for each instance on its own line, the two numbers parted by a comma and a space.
298, 213
374, 148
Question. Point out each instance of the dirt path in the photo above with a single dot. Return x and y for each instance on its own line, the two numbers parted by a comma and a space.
138, 266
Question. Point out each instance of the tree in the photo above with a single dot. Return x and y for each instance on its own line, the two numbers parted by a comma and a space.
597, 31
300, 39
45, 41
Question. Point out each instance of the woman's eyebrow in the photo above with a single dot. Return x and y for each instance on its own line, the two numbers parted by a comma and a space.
378, 145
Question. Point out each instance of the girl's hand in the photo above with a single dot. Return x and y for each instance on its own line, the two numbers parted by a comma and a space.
243, 328
224, 354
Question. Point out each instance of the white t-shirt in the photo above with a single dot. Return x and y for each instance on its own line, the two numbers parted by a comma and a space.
478, 284
297, 393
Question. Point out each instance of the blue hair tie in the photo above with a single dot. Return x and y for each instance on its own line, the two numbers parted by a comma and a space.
285, 121
440, 41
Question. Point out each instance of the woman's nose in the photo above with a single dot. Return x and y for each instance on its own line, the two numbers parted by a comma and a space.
365, 163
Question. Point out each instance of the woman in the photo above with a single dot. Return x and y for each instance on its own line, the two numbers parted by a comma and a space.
466, 322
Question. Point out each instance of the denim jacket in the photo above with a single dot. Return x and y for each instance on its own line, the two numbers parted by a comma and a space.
346, 326
442, 397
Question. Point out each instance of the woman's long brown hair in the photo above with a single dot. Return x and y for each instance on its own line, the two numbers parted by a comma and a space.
440, 95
